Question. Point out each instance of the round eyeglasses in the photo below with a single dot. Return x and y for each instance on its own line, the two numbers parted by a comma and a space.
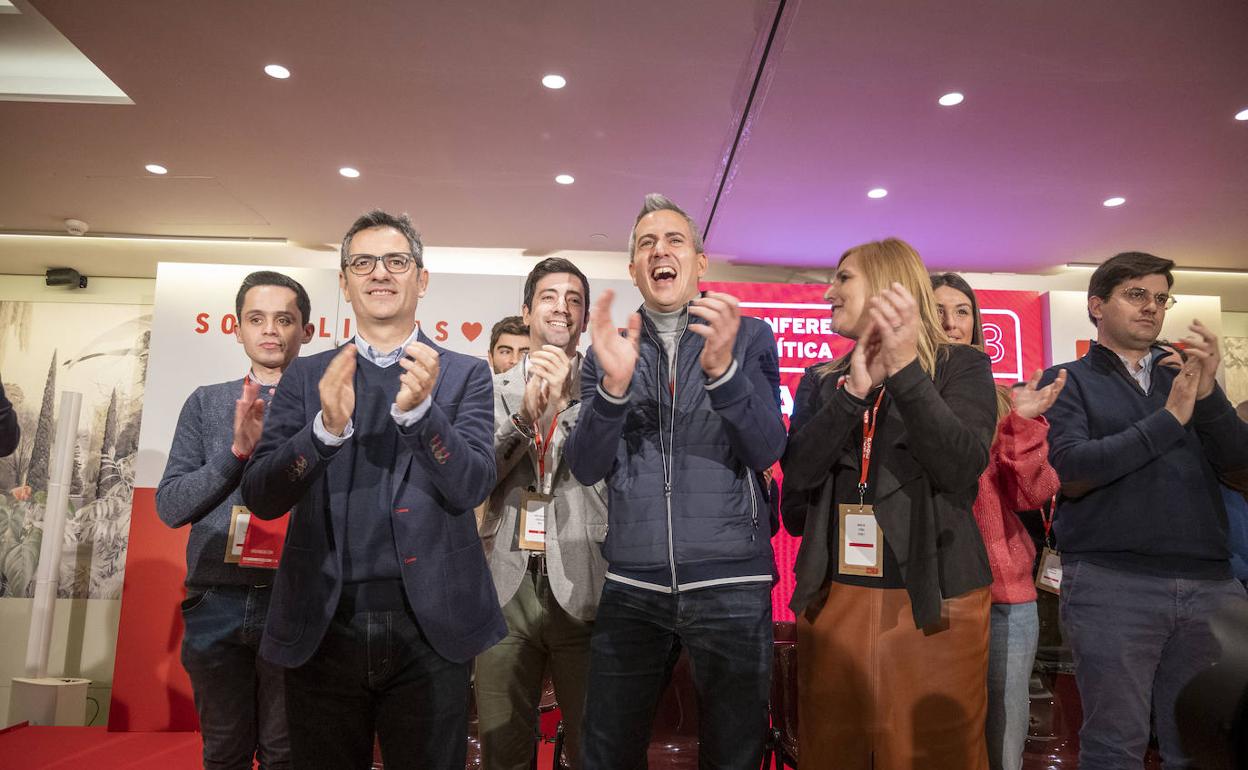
1140, 297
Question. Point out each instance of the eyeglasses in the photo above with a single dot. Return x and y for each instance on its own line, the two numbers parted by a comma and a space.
395, 262
1140, 297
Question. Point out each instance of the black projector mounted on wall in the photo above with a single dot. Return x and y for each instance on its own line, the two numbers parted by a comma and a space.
65, 276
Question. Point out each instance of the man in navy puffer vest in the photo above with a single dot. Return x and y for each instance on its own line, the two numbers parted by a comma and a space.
678, 415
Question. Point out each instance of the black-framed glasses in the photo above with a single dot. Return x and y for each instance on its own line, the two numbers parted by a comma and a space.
1140, 297
394, 262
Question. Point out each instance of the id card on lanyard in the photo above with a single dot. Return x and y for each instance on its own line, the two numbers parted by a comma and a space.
535, 505
1049, 574
860, 538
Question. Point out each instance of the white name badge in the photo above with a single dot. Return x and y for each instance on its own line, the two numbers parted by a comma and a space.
240, 519
861, 542
533, 507
1049, 576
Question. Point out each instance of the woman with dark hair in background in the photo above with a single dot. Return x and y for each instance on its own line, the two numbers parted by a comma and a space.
885, 450
1018, 478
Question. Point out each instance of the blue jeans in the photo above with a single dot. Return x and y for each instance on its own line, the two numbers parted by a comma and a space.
727, 633
1015, 632
375, 673
1137, 640
238, 694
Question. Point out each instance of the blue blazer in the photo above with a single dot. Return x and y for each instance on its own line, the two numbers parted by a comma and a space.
445, 467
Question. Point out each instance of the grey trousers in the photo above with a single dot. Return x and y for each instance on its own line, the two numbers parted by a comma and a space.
1137, 640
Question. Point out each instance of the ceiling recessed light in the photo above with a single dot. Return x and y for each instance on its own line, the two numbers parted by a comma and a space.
565, 179
276, 71
597, 236
349, 173
950, 99
878, 192
1242, 115
1114, 202
554, 81
156, 168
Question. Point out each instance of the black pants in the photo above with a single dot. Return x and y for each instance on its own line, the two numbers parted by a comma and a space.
376, 673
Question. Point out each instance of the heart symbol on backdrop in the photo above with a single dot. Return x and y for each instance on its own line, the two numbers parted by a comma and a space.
471, 330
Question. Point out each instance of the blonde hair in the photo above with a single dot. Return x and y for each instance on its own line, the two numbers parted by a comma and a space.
893, 260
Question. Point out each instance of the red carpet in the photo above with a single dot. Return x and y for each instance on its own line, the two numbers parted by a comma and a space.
95, 748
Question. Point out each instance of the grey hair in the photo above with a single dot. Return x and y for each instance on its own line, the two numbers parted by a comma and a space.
658, 202
379, 218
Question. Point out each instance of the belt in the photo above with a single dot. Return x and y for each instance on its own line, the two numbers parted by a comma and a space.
537, 562
219, 587
376, 595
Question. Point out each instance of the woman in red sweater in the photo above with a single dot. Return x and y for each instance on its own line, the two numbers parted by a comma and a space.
1018, 478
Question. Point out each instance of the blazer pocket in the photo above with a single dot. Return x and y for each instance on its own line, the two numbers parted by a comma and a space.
470, 598
288, 611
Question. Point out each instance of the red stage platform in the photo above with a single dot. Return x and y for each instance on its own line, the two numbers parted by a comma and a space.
95, 748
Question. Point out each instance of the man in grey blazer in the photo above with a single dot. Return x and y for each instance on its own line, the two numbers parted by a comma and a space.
542, 530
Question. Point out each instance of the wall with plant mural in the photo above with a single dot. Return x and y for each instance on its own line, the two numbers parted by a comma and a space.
43, 353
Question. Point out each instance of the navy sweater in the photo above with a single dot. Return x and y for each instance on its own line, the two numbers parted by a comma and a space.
369, 551
200, 485
1140, 491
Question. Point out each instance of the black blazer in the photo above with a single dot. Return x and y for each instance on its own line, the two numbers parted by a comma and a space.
931, 446
445, 467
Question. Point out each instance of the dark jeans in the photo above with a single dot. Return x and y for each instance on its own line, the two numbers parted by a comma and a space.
1137, 640
375, 672
238, 694
727, 633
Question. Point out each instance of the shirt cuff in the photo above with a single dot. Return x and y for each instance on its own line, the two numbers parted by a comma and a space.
732, 369
411, 416
610, 398
325, 437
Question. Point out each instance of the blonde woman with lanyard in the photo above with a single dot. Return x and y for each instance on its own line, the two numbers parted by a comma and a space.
885, 451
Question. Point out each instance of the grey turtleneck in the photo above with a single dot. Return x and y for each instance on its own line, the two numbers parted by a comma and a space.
669, 326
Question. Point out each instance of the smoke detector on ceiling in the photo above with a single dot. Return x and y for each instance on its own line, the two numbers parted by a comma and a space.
76, 227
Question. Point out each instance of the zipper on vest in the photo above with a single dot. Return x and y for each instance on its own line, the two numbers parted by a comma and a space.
749, 482
667, 452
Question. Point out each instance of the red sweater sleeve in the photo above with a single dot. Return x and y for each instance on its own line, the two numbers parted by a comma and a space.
1025, 480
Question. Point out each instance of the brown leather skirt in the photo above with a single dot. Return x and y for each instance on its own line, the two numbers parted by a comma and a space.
876, 693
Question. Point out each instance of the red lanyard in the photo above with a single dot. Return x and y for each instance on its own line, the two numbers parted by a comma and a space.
1048, 520
542, 446
868, 435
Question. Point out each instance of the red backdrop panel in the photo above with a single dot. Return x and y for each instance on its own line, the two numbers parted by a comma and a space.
798, 315
151, 691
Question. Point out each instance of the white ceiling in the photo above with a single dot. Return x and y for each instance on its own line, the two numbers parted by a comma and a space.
440, 107
37, 63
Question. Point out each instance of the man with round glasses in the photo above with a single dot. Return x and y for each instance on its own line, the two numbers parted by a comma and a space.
1141, 524
382, 448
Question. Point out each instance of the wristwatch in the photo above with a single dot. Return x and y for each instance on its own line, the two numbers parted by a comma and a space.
525, 428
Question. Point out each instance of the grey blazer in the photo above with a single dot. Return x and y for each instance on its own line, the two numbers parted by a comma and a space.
576, 526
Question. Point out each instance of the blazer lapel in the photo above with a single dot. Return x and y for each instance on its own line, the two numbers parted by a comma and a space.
404, 459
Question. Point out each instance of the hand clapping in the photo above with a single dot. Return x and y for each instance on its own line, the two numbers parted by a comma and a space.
420, 365
1031, 401
337, 390
616, 355
722, 313
896, 316
549, 380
